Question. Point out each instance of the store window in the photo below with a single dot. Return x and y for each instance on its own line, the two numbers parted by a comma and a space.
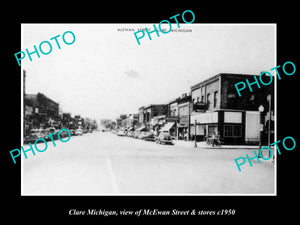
232, 130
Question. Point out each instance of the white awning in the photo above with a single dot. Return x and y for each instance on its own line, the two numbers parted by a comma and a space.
141, 128
168, 126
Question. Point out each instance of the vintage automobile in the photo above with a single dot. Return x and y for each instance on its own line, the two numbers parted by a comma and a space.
130, 133
78, 132
35, 134
51, 131
121, 133
149, 136
141, 135
164, 138
63, 134
136, 134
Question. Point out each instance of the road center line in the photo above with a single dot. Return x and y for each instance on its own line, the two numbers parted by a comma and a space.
112, 175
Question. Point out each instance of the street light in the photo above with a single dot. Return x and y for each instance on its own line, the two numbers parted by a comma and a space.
260, 109
195, 144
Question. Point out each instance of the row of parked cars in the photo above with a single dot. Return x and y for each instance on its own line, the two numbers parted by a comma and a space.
35, 134
161, 138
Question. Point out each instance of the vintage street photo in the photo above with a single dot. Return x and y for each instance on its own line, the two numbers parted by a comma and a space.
183, 113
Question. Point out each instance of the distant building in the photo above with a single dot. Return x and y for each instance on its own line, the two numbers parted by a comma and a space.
128, 122
217, 108
146, 113
141, 116
40, 111
184, 110
177, 121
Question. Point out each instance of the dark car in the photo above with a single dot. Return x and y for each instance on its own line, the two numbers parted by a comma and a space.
164, 138
51, 131
149, 136
84, 131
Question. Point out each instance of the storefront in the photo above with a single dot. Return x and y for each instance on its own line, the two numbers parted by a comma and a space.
183, 128
230, 125
170, 128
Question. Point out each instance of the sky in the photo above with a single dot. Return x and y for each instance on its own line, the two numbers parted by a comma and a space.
105, 73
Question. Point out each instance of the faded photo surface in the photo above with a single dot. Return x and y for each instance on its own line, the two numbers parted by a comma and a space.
159, 118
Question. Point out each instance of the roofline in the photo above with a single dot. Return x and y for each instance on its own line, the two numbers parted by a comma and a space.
196, 86
147, 106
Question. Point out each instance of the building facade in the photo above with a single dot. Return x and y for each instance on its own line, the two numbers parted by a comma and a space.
217, 109
146, 113
39, 111
184, 111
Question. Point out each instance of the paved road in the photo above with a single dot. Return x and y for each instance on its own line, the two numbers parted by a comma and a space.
105, 164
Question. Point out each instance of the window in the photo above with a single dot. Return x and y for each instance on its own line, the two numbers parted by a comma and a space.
232, 130
208, 101
202, 98
215, 99
231, 95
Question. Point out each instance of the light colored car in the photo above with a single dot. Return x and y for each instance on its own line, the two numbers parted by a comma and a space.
136, 134
35, 134
164, 138
142, 134
78, 132
121, 133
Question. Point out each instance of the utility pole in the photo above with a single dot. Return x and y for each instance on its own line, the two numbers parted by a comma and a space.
260, 109
195, 144
269, 124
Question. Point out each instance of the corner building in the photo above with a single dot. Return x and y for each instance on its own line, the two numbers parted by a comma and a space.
217, 108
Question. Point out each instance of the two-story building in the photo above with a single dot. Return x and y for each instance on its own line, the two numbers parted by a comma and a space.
217, 108
184, 111
40, 110
146, 113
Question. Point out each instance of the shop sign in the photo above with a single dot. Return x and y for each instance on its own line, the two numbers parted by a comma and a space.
208, 117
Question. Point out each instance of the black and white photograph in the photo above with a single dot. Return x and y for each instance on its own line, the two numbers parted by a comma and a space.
162, 117
128, 114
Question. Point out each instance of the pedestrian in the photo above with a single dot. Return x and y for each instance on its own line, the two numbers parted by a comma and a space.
213, 138
218, 141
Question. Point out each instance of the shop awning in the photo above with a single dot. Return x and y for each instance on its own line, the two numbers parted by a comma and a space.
167, 127
141, 128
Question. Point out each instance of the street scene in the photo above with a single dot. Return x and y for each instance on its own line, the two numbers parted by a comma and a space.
102, 163
141, 123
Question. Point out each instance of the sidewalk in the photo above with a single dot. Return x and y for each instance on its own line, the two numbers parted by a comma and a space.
202, 144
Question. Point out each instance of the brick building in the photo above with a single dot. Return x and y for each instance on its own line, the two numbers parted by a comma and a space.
40, 111
146, 113
217, 108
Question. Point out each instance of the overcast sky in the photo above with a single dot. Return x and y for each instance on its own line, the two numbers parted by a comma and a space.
105, 72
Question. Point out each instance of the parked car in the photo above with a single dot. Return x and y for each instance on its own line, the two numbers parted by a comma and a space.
63, 134
34, 134
78, 132
136, 134
121, 133
149, 136
142, 134
84, 131
50, 130
164, 138
130, 133
72, 132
